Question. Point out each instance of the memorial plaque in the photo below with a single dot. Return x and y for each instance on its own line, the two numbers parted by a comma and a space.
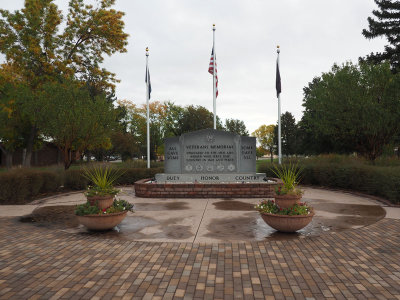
247, 154
210, 156
210, 151
172, 161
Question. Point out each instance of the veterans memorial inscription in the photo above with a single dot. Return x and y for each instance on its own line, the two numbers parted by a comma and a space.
210, 156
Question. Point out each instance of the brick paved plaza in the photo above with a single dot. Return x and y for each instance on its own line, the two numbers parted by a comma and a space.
38, 262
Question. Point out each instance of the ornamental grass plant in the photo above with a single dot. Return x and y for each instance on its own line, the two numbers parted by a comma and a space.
290, 175
103, 179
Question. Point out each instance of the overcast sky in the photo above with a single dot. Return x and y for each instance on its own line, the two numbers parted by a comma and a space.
312, 34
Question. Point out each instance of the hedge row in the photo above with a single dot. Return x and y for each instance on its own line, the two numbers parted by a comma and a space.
23, 185
373, 180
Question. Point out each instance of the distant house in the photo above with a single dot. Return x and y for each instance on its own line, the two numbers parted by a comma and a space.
49, 154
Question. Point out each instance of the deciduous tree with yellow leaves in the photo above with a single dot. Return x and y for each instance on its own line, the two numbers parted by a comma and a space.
40, 52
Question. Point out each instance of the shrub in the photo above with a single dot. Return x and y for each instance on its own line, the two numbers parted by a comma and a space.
131, 175
140, 164
74, 180
22, 185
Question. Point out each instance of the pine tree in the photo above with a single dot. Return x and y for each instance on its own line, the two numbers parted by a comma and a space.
386, 25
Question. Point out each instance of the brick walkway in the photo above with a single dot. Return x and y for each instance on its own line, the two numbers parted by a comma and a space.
353, 264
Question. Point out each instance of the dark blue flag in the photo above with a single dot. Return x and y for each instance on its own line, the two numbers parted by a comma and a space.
147, 80
278, 80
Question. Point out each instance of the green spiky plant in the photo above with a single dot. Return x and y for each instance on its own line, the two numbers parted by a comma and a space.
290, 175
103, 179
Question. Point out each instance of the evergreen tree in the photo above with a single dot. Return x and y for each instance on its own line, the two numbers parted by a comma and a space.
386, 25
289, 133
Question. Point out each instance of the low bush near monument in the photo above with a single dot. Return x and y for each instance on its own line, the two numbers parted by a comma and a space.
21, 185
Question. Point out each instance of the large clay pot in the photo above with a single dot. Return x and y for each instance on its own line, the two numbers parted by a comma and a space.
102, 201
102, 222
287, 200
286, 223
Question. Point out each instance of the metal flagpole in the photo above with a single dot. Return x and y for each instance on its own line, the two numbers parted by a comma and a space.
148, 114
279, 119
214, 89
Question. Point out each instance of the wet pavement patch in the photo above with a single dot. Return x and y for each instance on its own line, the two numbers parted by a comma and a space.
144, 228
370, 211
236, 228
146, 206
250, 227
62, 216
233, 205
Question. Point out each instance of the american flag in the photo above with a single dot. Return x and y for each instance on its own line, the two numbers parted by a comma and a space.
211, 71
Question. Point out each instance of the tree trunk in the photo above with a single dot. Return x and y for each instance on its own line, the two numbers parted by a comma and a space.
23, 156
272, 156
29, 147
67, 158
9, 156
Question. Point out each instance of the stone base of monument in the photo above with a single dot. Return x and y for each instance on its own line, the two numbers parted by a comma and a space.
152, 189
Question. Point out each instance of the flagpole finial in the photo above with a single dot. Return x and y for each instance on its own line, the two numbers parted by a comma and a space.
147, 51
214, 27
278, 49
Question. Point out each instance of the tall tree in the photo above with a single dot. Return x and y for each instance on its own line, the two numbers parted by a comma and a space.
32, 44
265, 137
356, 107
289, 134
12, 125
197, 118
385, 24
138, 127
236, 126
75, 121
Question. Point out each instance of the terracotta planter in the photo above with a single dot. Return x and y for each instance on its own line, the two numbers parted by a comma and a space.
103, 201
285, 223
102, 222
287, 200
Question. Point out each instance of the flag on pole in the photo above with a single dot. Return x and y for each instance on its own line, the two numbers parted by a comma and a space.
147, 80
213, 62
278, 79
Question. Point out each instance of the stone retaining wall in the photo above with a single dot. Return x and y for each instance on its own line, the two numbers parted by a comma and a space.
205, 190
